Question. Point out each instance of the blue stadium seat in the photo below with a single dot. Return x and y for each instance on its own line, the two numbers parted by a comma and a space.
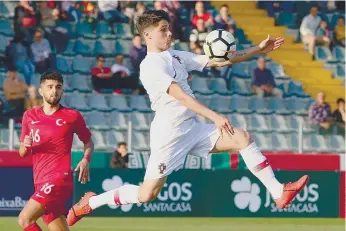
240, 104
5, 27
103, 30
315, 143
322, 53
335, 19
139, 122
203, 99
139, 103
69, 50
118, 102
199, 85
123, 30
80, 83
84, 29
276, 69
140, 143
296, 89
339, 71
84, 47
105, 47
220, 104
123, 47
238, 121
98, 102
280, 143
77, 101
62, 65
76, 143
298, 106
337, 143
4, 40
278, 106
181, 46
219, 86
294, 122
339, 53
258, 123
240, 70
6, 11
118, 121
81, 65
99, 140
279, 124
63, 100
262, 141
97, 120
258, 105
241, 86
287, 19
4, 138
114, 137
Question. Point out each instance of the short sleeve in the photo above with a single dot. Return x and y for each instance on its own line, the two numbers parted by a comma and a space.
193, 62
25, 127
81, 129
155, 75
95, 71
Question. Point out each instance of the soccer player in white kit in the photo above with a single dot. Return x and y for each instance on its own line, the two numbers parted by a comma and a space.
174, 132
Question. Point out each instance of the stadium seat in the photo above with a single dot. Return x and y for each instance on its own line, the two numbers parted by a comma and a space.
203, 99
241, 87
322, 53
258, 105
123, 47
314, 143
339, 53
219, 86
118, 121
103, 30
238, 121
7, 12
296, 89
335, 17
298, 106
80, 83
118, 102
123, 30
77, 101
181, 46
262, 141
84, 47
62, 65
278, 106
63, 100
69, 50
240, 104
276, 69
240, 70
81, 65
286, 19
99, 140
337, 143
258, 123
114, 137
5, 27
97, 120
139, 103
280, 143
339, 71
67, 83
139, 122
77, 144
220, 104
279, 124
4, 139
4, 40
199, 85
139, 142
98, 102
295, 121
84, 29
105, 47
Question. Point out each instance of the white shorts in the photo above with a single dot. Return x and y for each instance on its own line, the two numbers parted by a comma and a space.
170, 145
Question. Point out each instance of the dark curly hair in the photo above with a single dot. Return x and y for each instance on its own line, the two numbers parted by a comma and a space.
51, 75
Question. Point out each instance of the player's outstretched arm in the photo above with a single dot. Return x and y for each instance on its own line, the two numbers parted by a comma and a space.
264, 47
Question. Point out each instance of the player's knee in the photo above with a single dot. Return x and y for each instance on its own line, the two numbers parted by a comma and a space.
24, 221
245, 139
147, 196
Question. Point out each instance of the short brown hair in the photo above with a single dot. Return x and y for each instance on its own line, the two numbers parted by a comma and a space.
150, 18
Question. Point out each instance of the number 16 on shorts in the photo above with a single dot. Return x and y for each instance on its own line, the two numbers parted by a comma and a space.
47, 188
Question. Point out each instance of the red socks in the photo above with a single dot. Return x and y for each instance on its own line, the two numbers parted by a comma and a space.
33, 227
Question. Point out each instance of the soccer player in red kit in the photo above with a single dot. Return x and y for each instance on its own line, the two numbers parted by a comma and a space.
47, 135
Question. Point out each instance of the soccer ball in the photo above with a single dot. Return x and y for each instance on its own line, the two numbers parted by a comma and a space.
217, 43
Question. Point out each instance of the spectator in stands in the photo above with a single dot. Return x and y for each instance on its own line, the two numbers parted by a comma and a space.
340, 31
122, 76
323, 32
198, 35
120, 158
25, 21
308, 29
263, 82
68, 11
18, 57
319, 112
137, 52
101, 75
49, 16
15, 90
41, 51
201, 14
111, 14
223, 19
339, 114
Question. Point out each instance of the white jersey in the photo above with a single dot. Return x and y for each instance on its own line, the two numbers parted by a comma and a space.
158, 71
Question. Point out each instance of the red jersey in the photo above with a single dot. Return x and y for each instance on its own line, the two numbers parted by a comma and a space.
195, 18
98, 70
52, 141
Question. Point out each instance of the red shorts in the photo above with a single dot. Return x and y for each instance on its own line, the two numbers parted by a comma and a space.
53, 196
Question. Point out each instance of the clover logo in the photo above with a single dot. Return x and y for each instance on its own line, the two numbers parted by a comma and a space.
247, 194
115, 182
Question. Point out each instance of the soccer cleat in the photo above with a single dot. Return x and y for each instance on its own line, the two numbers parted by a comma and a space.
290, 191
79, 210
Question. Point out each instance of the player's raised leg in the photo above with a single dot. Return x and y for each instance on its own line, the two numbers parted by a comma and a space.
59, 224
257, 163
29, 215
126, 194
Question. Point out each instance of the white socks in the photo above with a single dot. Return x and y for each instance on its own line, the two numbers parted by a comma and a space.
255, 161
126, 194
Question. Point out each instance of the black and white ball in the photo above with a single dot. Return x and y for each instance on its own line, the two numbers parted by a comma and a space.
217, 45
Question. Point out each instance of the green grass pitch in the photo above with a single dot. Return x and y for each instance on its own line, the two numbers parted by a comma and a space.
195, 224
